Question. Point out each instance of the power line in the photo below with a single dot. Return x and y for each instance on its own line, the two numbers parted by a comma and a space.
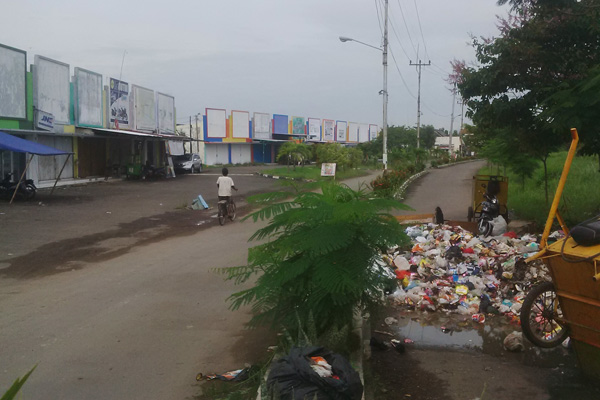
407, 30
399, 42
420, 28
378, 17
400, 73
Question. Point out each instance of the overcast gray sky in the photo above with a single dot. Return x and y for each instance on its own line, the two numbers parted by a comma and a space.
275, 56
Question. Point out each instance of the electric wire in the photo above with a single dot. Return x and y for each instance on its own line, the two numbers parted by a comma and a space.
378, 17
400, 73
407, 30
399, 41
420, 28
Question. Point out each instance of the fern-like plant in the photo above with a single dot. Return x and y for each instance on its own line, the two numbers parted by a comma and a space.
319, 256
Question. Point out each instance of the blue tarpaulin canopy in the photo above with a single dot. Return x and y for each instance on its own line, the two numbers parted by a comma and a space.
13, 143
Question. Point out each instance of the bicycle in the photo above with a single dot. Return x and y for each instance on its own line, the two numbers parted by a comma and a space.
226, 208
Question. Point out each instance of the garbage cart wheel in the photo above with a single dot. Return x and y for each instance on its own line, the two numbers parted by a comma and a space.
470, 214
540, 315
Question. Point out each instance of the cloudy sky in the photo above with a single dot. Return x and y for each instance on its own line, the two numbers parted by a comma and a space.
275, 56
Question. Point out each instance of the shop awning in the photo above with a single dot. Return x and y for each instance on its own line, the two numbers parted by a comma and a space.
125, 132
13, 143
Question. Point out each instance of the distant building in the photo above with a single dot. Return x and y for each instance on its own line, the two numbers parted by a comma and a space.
443, 142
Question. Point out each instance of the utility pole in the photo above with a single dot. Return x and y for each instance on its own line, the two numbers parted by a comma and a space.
190, 133
197, 136
385, 92
451, 149
419, 65
462, 114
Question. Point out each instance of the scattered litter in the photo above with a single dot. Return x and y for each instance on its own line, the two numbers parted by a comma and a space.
384, 333
398, 345
452, 270
514, 341
109, 212
198, 203
391, 321
378, 344
233, 376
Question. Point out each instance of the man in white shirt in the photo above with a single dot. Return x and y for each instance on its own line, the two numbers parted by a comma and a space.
225, 184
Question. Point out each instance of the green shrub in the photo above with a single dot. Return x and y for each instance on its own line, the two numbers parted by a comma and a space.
333, 153
388, 184
292, 153
318, 259
355, 157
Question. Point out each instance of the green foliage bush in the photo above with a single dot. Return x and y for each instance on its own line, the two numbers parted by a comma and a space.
319, 258
333, 153
292, 153
388, 184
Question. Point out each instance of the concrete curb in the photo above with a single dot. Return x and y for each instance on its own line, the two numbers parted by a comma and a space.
400, 194
283, 177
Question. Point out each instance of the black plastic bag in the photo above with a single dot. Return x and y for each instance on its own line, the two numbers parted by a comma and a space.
292, 377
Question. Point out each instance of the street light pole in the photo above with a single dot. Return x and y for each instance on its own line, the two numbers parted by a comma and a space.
384, 92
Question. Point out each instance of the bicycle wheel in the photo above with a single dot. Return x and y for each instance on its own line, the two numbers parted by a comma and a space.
221, 215
540, 317
231, 211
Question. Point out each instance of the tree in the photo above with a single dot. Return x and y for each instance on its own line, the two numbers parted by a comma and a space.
577, 106
293, 153
427, 136
333, 153
319, 257
543, 46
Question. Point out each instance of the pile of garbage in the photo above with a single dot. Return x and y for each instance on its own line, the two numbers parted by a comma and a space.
450, 269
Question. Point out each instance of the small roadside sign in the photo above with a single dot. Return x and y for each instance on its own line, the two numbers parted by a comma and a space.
328, 169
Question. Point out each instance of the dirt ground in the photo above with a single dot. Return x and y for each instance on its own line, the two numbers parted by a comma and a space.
61, 232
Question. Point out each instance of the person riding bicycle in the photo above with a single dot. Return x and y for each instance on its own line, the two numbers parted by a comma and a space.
225, 184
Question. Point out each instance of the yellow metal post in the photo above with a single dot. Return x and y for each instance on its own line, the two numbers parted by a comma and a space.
559, 189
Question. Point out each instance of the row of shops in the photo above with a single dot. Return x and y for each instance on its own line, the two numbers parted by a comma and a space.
109, 130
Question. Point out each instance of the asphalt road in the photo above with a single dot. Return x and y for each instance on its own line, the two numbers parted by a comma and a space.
111, 290
449, 188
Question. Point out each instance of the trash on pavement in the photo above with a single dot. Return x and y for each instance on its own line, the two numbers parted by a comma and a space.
303, 374
450, 269
233, 376
514, 341
199, 203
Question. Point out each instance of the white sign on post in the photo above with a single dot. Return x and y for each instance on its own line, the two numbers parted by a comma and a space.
328, 169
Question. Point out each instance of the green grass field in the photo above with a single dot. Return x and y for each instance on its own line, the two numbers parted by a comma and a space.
581, 195
313, 172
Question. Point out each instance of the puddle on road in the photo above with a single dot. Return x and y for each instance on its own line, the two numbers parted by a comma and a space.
459, 332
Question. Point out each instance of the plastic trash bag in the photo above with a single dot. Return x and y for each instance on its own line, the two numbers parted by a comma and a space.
514, 341
293, 378
500, 226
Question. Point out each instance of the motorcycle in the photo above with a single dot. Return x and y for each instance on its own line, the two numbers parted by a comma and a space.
26, 190
151, 172
490, 210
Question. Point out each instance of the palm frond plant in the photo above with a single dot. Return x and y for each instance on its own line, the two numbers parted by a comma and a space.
317, 257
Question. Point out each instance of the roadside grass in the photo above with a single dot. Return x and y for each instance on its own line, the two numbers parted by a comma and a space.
313, 172
581, 195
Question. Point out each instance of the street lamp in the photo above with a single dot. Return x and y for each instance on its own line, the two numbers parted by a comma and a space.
384, 91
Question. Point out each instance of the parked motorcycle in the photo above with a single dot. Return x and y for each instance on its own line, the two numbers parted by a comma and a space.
490, 209
152, 172
26, 190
